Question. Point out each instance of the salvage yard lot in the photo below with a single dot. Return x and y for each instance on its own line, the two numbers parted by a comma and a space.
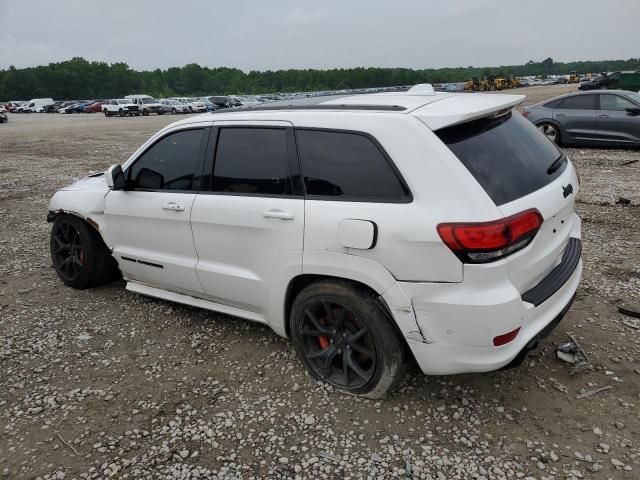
103, 382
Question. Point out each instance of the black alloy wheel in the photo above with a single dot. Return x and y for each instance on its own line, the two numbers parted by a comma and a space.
345, 336
67, 251
338, 344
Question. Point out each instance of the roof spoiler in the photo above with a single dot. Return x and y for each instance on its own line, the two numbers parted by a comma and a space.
464, 107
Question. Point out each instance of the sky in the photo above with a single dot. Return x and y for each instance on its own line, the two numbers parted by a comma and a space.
281, 34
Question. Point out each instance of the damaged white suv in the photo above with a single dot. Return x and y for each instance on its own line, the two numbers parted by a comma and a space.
369, 228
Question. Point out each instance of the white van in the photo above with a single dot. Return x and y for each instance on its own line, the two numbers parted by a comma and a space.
146, 104
35, 105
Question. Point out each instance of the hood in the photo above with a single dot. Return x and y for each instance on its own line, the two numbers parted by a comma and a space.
95, 181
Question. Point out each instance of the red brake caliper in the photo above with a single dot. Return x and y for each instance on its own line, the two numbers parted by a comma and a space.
324, 341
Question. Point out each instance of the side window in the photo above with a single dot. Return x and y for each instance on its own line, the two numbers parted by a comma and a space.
252, 161
579, 102
614, 102
347, 165
553, 104
172, 163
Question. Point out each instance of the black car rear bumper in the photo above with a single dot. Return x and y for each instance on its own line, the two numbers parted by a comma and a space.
558, 276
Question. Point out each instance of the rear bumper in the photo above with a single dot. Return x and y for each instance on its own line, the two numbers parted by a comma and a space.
459, 322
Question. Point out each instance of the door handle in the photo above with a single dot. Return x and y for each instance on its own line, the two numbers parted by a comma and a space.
173, 206
560, 115
278, 214
603, 116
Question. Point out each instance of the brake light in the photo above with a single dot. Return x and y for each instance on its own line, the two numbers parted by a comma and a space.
525, 114
488, 241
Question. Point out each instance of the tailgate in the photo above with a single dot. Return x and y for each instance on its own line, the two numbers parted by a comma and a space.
556, 203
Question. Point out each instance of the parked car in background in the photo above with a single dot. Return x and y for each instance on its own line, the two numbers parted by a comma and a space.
53, 107
35, 105
370, 229
146, 104
13, 104
75, 107
174, 106
610, 118
94, 107
121, 107
221, 102
197, 105
211, 107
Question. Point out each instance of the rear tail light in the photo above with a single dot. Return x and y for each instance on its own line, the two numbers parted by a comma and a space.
525, 114
489, 241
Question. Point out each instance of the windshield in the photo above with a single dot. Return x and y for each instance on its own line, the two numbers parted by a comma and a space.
123, 101
148, 100
507, 155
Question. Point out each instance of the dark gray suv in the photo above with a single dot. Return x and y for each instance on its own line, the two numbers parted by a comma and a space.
602, 118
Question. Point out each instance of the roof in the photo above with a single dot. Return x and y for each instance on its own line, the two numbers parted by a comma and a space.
435, 109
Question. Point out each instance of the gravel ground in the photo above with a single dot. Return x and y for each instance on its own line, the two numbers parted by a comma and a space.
105, 383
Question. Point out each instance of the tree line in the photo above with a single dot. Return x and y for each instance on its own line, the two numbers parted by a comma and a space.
81, 79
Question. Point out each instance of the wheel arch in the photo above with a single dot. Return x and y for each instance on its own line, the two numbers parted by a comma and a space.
553, 122
300, 282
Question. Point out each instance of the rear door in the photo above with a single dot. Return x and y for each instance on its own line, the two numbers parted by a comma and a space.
614, 123
248, 228
576, 115
148, 224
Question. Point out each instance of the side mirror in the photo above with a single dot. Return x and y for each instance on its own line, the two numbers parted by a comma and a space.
115, 178
634, 110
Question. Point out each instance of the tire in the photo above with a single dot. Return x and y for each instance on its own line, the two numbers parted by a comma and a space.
121, 113
79, 256
603, 87
173, 111
551, 131
145, 113
330, 320
106, 113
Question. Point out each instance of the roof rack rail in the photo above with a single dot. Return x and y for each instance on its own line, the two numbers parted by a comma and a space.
319, 106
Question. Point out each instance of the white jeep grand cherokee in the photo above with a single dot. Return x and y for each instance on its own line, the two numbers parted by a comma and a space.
368, 228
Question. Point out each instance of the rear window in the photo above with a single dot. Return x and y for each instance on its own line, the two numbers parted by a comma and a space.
507, 155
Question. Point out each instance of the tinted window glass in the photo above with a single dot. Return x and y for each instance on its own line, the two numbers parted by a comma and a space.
579, 102
508, 156
173, 163
252, 160
553, 104
340, 164
614, 102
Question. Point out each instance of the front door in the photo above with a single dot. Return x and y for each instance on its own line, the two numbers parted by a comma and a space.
248, 230
148, 224
615, 124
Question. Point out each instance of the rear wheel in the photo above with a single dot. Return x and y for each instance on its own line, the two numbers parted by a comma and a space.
173, 111
79, 256
550, 131
345, 338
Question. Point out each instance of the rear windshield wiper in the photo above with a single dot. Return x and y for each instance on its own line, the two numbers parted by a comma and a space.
557, 163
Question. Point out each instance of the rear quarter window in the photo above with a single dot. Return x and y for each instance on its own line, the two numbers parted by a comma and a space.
507, 155
341, 165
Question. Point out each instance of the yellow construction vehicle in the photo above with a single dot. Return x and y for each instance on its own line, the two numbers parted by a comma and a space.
512, 81
573, 77
477, 84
